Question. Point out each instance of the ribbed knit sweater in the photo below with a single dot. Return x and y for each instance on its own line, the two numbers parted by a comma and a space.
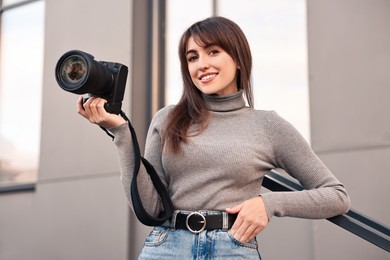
225, 164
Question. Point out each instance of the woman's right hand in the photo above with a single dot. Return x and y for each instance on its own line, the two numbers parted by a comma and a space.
93, 110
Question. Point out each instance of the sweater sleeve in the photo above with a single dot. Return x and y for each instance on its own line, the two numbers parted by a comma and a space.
324, 196
124, 143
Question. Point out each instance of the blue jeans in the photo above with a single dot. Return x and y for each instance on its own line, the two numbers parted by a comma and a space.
166, 243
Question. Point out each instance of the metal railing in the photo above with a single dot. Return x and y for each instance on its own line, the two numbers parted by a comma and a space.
353, 221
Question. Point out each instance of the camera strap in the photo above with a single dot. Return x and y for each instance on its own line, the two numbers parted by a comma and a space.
139, 210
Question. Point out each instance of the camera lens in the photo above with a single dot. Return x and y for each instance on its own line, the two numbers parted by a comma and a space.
79, 73
74, 70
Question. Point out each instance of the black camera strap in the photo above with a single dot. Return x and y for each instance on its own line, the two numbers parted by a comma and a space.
139, 210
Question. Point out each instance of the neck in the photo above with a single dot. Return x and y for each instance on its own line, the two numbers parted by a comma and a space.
226, 103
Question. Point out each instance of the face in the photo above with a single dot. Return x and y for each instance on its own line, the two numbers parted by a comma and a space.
212, 70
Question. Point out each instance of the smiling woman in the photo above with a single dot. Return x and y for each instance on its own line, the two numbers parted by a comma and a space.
212, 151
21, 72
212, 69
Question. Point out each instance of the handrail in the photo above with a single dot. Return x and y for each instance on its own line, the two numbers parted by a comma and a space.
353, 221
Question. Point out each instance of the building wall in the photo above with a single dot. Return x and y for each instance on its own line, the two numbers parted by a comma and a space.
349, 59
78, 210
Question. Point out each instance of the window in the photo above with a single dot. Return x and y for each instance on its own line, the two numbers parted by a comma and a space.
276, 31
21, 75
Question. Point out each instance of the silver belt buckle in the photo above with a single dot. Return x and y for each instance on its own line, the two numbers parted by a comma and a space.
202, 221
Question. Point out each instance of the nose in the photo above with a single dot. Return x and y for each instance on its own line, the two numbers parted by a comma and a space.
203, 63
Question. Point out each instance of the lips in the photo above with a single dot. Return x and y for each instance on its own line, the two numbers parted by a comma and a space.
204, 78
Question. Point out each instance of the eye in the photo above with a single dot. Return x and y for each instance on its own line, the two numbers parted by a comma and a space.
192, 58
213, 52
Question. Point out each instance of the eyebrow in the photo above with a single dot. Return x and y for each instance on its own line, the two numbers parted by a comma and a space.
190, 51
204, 47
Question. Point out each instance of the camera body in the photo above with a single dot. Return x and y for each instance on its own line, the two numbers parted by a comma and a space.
78, 72
116, 93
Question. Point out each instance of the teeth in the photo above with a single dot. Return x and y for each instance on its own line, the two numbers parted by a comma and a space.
208, 77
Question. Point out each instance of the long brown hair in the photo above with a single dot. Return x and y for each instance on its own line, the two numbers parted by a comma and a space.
191, 109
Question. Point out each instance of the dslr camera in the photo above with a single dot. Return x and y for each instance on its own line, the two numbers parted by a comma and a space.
78, 72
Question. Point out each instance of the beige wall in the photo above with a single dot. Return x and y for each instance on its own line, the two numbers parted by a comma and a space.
349, 61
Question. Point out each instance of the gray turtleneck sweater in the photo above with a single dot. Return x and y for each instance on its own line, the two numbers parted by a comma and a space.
225, 164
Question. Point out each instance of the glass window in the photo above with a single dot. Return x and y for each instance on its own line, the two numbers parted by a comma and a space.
21, 75
276, 31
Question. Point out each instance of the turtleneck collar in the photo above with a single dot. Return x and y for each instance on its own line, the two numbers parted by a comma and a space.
231, 102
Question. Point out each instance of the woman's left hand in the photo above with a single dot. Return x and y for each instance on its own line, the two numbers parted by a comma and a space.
252, 218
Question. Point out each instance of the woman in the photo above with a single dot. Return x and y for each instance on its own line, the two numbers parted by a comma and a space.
212, 152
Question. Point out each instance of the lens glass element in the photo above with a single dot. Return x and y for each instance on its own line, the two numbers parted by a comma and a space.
74, 70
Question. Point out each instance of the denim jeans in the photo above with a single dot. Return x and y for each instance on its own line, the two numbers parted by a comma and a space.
166, 243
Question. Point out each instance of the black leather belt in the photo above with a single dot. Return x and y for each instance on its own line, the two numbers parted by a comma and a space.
197, 222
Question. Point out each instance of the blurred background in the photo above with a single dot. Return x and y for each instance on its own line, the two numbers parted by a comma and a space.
322, 65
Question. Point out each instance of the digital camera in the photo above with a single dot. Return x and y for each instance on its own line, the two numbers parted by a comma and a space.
78, 72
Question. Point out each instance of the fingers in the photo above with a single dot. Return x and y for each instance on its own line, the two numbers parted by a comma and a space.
247, 230
93, 110
251, 219
80, 108
237, 224
235, 209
